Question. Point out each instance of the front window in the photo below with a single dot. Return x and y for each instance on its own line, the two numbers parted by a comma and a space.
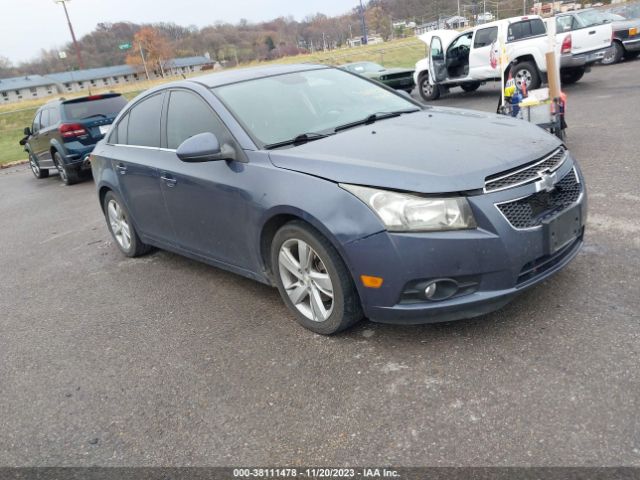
278, 108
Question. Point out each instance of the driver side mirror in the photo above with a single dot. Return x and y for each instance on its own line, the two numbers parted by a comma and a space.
27, 131
204, 147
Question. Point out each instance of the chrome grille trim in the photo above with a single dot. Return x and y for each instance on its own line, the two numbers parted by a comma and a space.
526, 174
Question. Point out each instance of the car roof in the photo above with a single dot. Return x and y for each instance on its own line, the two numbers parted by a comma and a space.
243, 74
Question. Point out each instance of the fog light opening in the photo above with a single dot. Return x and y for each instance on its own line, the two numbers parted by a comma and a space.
441, 289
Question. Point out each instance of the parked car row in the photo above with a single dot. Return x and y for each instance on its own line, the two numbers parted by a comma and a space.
469, 58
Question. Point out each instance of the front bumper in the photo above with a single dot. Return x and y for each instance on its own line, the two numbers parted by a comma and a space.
501, 261
632, 45
582, 59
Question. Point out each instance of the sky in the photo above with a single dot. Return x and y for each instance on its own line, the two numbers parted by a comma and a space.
27, 26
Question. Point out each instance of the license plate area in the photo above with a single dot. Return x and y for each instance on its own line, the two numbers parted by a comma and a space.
104, 129
563, 229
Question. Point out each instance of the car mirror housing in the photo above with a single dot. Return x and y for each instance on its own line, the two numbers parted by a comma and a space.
204, 147
27, 131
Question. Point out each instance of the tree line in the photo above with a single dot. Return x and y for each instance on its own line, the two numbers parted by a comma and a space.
235, 43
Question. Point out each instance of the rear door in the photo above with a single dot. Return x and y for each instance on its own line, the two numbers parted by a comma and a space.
483, 60
437, 61
135, 157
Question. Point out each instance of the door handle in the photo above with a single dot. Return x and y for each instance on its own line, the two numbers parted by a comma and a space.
170, 181
121, 168
592, 32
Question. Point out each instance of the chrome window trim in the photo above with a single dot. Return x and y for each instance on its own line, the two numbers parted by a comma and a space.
144, 147
560, 163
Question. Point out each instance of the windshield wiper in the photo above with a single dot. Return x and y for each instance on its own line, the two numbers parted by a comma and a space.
94, 115
373, 118
298, 140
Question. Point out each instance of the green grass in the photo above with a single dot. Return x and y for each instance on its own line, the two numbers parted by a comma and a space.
397, 53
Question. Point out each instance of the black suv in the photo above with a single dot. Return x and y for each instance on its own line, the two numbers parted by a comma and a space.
64, 132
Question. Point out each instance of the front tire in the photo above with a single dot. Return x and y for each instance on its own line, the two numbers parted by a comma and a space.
312, 279
35, 168
428, 92
121, 227
571, 76
613, 55
69, 176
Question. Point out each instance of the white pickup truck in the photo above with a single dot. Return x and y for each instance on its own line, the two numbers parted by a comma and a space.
584, 36
469, 58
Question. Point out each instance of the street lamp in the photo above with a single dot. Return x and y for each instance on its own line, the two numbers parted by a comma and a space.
73, 35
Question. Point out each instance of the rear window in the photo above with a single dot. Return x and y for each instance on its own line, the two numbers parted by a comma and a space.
525, 29
80, 110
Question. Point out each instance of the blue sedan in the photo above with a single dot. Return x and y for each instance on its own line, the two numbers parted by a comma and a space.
352, 199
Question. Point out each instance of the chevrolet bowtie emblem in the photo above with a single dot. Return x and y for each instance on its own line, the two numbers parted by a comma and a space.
546, 182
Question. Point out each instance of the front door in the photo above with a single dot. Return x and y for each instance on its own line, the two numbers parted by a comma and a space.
206, 201
437, 64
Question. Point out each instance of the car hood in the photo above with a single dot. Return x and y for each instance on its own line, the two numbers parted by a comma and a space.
437, 150
625, 24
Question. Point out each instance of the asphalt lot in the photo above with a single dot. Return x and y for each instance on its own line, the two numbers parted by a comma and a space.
161, 360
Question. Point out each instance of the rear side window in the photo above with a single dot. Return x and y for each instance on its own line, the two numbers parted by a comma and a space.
189, 115
93, 107
525, 29
120, 133
54, 116
565, 24
485, 37
144, 122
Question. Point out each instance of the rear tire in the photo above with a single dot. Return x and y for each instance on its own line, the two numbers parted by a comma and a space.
568, 77
313, 281
121, 227
470, 86
69, 176
428, 92
528, 73
35, 168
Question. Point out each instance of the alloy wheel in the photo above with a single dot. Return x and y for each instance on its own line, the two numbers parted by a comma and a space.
62, 172
427, 88
119, 225
523, 76
306, 280
34, 166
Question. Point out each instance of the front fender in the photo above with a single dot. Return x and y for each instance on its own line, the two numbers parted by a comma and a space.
421, 66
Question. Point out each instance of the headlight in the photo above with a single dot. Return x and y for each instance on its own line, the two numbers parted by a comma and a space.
403, 212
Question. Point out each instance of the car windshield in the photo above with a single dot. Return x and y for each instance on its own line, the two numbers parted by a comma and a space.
365, 67
93, 106
275, 109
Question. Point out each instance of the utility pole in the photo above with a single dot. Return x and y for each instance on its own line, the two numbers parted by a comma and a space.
144, 62
524, 7
73, 35
364, 25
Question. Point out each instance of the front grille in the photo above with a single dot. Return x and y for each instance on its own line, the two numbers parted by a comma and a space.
394, 76
527, 174
530, 211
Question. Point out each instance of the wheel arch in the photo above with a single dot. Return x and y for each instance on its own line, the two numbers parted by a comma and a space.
278, 217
